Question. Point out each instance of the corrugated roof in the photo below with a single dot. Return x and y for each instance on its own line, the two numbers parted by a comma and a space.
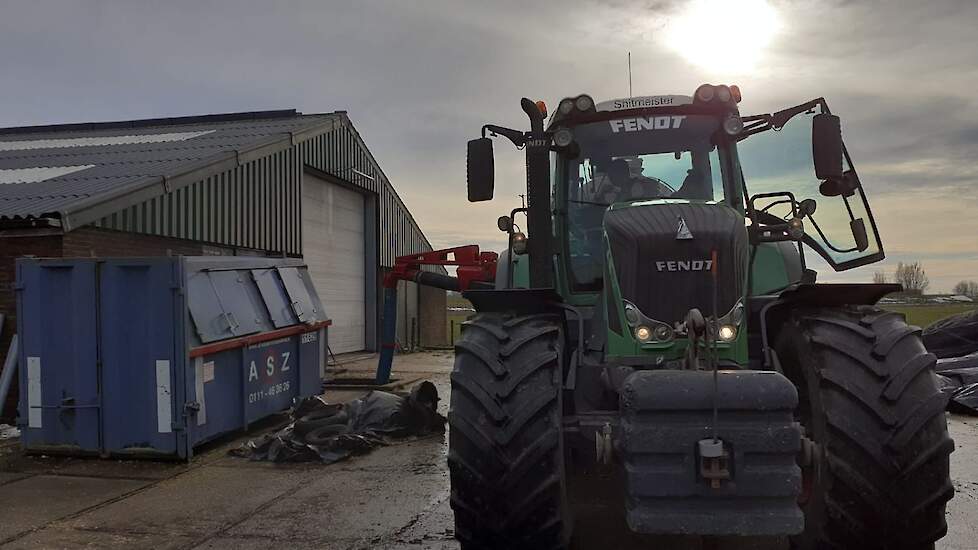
123, 163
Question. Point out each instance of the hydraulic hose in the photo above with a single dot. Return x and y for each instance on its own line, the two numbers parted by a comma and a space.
437, 280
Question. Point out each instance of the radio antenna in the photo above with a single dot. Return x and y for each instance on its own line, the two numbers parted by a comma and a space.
629, 74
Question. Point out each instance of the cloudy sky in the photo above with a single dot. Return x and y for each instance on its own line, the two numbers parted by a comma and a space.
419, 78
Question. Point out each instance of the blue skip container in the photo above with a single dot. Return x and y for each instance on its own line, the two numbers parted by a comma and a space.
154, 356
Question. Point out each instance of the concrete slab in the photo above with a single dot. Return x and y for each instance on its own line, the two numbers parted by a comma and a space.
70, 539
8, 477
96, 467
962, 510
261, 543
420, 456
424, 545
42, 499
196, 504
363, 506
434, 530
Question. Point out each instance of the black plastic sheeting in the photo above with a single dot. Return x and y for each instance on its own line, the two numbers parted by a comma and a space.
954, 340
331, 432
954, 336
958, 377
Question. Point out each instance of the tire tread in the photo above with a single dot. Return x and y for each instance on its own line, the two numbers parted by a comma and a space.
505, 452
878, 415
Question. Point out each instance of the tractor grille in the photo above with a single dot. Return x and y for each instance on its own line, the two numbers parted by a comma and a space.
662, 257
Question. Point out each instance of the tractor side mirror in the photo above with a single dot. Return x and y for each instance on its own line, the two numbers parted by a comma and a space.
480, 170
827, 146
844, 186
858, 227
807, 208
505, 224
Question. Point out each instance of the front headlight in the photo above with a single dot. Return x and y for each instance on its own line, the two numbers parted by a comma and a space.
733, 125
563, 137
644, 329
566, 106
662, 333
723, 93
729, 325
584, 103
727, 333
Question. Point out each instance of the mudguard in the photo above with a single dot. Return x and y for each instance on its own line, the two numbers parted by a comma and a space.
516, 300
666, 413
837, 294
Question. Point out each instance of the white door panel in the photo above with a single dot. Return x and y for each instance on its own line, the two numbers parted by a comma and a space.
333, 248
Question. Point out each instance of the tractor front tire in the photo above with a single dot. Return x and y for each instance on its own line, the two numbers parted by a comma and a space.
505, 445
869, 399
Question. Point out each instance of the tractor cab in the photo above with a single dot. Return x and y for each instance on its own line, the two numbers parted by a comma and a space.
625, 157
655, 150
666, 204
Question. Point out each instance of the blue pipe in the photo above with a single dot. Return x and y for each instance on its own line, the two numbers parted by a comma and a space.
387, 341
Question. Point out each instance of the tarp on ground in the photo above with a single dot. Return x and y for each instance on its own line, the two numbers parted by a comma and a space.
325, 432
958, 377
953, 336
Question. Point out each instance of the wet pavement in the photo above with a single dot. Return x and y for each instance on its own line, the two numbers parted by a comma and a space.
396, 497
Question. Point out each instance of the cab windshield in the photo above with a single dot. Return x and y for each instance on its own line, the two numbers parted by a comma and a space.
633, 159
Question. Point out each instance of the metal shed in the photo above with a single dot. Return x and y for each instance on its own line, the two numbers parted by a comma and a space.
271, 183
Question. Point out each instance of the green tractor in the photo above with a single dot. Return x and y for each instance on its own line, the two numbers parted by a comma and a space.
656, 350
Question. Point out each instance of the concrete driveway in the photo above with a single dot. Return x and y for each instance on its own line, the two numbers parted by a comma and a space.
394, 498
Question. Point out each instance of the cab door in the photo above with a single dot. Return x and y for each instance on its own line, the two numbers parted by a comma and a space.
776, 157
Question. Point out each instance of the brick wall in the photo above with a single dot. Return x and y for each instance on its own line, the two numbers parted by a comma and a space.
89, 241
433, 306
11, 248
83, 242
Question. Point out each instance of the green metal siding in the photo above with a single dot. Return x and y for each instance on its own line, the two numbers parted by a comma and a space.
257, 205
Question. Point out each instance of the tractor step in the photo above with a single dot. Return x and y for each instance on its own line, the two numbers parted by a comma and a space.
682, 477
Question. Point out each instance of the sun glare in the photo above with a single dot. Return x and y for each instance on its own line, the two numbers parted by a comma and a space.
724, 36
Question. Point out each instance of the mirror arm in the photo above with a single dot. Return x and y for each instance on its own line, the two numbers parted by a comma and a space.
780, 118
517, 137
756, 124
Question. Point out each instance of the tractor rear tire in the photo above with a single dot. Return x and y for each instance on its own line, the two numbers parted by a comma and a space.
869, 399
505, 443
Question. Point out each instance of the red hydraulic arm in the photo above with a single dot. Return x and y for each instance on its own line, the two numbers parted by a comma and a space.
473, 267
475, 270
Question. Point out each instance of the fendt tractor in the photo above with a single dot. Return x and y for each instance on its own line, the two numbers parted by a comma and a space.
656, 347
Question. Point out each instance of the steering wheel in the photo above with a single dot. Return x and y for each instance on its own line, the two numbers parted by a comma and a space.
663, 189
